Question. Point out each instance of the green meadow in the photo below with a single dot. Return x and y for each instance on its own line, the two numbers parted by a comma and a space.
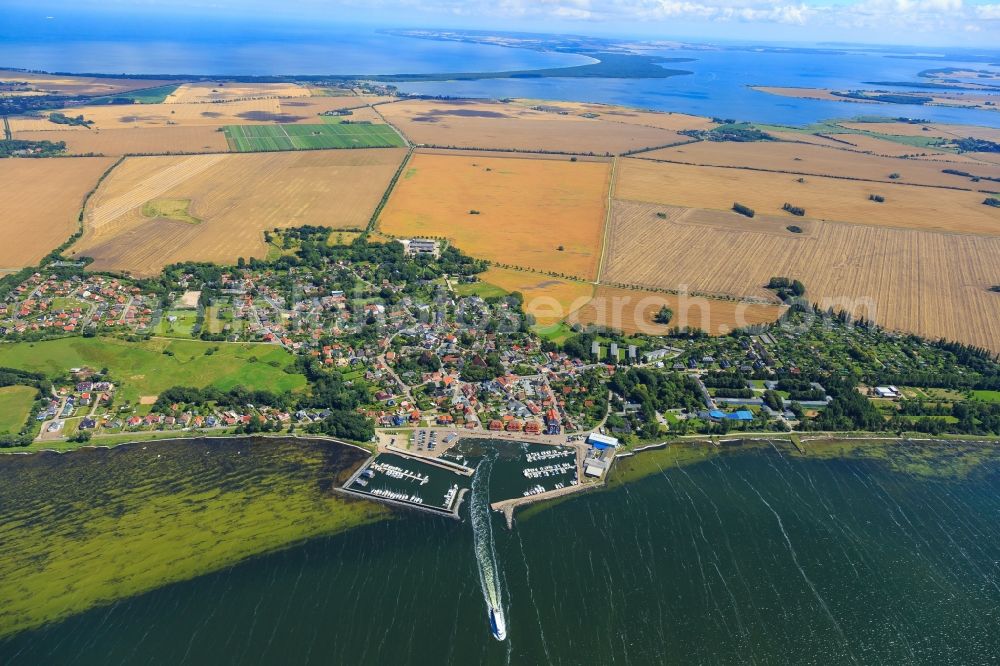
149, 367
15, 405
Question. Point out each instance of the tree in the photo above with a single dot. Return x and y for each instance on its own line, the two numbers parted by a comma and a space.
664, 315
773, 400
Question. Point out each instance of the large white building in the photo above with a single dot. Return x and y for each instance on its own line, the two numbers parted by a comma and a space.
598, 438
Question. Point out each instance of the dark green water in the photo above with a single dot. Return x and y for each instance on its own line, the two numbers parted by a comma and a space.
754, 557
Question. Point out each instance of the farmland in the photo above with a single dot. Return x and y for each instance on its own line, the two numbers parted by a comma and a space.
221, 91
930, 283
933, 130
622, 114
137, 140
170, 209
146, 368
897, 147
237, 197
77, 85
549, 300
475, 124
264, 110
817, 160
905, 206
632, 311
253, 138
541, 214
15, 406
39, 203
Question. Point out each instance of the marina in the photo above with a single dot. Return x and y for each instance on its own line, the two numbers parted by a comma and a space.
409, 482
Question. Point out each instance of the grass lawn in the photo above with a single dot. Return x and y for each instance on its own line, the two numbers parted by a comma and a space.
142, 368
342, 237
217, 317
480, 289
558, 333
256, 138
170, 209
986, 396
115, 439
15, 405
65, 303
181, 327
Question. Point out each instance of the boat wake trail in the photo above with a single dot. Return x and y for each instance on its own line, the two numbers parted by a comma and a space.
486, 557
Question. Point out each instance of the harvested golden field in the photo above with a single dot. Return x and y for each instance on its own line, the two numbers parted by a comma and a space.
907, 206
933, 130
166, 115
550, 300
824, 94
632, 311
237, 112
39, 204
78, 85
865, 144
832, 141
236, 197
818, 161
136, 140
935, 284
526, 209
664, 120
878, 146
226, 91
956, 99
469, 152
40, 123
479, 124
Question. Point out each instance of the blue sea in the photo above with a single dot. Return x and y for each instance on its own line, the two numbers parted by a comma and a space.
718, 86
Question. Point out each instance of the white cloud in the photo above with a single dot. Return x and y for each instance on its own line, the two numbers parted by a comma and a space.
936, 20
921, 15
988, 12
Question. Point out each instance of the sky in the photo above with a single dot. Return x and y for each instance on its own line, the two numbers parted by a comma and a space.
973, 23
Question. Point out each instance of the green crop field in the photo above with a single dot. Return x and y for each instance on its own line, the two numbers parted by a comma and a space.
256, 138
146, 368
15, 404
147, 96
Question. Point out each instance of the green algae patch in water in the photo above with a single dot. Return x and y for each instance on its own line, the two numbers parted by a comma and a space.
96, 526
937, 458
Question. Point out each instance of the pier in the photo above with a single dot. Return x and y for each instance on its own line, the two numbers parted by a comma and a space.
507, 506
438, 511
436, 462
410, 481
